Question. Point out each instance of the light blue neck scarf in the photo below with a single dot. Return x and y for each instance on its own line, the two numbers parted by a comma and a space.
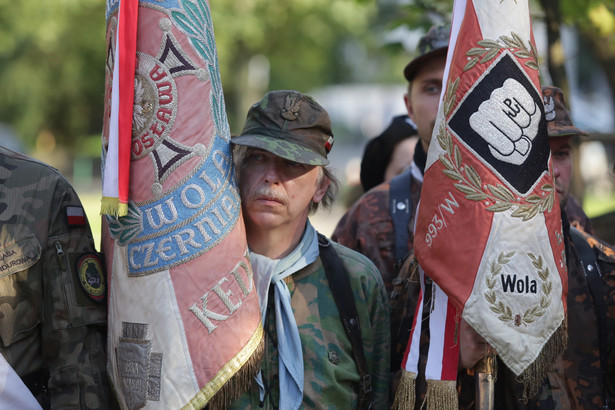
273, 271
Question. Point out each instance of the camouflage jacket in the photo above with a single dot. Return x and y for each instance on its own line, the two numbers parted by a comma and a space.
576, 381
331, 379
581, 358
52, 299
367, 227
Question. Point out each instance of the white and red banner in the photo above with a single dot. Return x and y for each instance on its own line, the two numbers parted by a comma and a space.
183, 312
488, 229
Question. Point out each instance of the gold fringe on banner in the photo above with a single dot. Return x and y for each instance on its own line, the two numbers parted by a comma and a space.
221, 397
534, 375
441, 395
112, 206
406, 392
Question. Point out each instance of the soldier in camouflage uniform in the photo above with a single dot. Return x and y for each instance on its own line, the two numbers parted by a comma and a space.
52, 288
368, 227
580, 380
281, 158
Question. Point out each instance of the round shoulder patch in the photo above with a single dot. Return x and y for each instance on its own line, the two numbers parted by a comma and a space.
92, 276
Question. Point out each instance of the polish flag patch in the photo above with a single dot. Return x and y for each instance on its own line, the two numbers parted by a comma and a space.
75, 216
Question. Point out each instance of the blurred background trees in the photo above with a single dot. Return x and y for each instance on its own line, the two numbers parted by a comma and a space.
52, 70
52, 52
52, 57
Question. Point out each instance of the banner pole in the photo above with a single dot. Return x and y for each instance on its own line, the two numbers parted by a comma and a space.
484, 374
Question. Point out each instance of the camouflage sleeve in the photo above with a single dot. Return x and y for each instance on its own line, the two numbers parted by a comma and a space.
606, 258
74, 306
367, 228
381, 331
581, 357
610, 384
373, 308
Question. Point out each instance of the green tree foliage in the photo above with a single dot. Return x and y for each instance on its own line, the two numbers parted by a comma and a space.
52, 56
52, 52
52, 67
594, 20
597, 27
306, 43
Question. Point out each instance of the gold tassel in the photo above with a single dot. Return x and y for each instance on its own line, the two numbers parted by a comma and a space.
220, 395
534, 375
405, 396
122, 209
108, 205
441, 395
112, 206
240, 381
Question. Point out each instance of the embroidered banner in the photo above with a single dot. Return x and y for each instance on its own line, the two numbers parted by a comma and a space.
184, 322
488, 228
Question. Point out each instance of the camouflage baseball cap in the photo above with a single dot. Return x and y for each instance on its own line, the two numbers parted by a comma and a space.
559, 122
433, 44
290, 125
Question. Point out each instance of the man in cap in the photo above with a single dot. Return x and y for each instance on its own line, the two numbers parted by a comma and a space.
589, 359
310, 360
379, 224
52, 290
562, 131
584, 376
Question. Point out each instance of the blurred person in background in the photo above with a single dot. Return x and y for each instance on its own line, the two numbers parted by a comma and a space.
388, 154
384, 157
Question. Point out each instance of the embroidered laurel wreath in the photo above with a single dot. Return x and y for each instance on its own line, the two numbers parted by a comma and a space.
504, 312
498, 198
489, 49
